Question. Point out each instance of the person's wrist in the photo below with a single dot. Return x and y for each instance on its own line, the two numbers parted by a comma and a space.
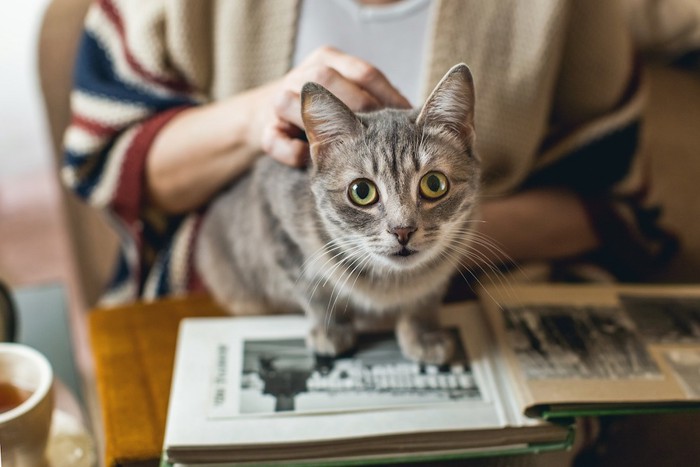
259, 111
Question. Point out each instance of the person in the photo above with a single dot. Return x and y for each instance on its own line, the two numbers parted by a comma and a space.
174, 100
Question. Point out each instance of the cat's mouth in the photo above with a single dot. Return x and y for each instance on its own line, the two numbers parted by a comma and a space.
404, 252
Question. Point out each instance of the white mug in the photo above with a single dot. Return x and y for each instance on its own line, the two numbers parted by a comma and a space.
24, 428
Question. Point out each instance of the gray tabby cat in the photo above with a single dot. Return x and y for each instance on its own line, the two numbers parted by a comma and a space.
374, 225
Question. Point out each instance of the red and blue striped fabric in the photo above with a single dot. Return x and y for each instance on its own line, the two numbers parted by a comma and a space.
119, 102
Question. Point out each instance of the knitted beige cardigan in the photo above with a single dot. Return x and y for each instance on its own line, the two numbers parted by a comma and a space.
551, 75
558, 103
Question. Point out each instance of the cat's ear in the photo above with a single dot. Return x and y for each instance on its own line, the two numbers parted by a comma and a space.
326, 118
450, 106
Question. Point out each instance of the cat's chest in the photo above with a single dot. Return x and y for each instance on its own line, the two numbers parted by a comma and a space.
377, 292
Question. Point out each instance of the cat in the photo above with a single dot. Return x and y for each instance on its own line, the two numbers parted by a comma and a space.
376, 224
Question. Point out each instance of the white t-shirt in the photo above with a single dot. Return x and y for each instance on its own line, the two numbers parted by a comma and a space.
393, 37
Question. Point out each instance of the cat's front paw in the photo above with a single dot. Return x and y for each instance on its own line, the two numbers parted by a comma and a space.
434, 347
332, 340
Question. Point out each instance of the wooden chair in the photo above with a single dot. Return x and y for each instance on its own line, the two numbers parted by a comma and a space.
92, 243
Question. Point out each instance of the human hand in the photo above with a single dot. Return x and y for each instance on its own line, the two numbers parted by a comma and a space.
360, 85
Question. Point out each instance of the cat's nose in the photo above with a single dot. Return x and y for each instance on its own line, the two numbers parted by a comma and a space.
403, 234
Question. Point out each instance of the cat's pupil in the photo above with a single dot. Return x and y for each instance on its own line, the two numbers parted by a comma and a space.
362, 190
434, 183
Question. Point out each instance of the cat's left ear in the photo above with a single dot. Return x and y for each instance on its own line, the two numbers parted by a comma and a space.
450, 106
326, 118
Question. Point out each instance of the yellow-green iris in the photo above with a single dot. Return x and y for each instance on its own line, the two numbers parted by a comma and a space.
433, 185
363, 192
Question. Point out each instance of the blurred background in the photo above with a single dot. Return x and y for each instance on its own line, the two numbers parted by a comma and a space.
32, 239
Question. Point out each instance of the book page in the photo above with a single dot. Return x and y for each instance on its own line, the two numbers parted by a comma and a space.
586, 344
280, 376
236, 379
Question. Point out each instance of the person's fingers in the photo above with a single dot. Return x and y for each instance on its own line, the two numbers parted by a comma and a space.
291, 130
288, 103
287, 107
361, 86
283, 148
363, 74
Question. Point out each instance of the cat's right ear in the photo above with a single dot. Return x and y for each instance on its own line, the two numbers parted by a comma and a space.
326, 118
450, 107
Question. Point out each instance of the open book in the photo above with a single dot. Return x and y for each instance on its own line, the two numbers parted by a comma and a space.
531, 357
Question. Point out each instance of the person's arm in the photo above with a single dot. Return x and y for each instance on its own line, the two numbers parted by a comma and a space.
200, 151
129, 145
203, 148
537, 224
122, 97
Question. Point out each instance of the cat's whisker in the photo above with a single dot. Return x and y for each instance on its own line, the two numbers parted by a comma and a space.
360, 262
350, 256
457, 267
490, 245
470, 245
468, 252
318, 254
322, 274
491, 249
330, 309
461, 253
330, 246
489, 242
505, 282
472, 221
467, 238
318, 276
496, 250
459, 263
316, 281
362, 267
335, 252
329, 274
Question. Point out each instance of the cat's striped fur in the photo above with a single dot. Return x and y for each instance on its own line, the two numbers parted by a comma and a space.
284, 239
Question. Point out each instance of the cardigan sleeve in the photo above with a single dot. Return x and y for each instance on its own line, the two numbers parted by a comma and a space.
597, 106
125, 91
592, 146
122, 97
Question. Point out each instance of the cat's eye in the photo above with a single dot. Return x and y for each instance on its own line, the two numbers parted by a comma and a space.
433, 185
363, 192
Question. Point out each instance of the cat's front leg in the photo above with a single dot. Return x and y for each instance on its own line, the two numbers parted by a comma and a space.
332, 331
421, 338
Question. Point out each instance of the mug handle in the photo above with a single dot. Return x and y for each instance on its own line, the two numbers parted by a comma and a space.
8, 316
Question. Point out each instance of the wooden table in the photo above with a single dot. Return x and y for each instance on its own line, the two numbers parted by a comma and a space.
133, 348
